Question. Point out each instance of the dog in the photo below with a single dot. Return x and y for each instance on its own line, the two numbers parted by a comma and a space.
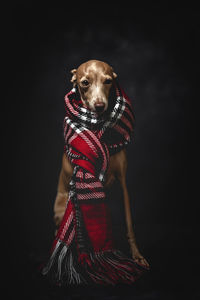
94, 80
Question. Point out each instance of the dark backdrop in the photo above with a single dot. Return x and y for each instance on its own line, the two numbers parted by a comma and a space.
153, 49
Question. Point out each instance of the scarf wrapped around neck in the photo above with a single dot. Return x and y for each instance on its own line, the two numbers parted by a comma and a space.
83, 251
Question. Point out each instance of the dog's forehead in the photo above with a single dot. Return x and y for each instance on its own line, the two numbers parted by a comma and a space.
92, 68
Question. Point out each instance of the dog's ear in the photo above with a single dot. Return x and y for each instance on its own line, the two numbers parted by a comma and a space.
114, 74
73, 79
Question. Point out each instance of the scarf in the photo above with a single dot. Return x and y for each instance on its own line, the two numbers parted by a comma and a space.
83, 251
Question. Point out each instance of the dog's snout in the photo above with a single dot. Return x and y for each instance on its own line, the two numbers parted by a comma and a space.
99, 107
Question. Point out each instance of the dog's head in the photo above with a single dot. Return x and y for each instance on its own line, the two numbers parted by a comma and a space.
94, 79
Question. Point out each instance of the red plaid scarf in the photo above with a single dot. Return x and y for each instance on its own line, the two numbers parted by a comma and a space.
83, 251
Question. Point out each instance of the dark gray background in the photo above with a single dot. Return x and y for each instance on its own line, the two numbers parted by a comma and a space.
153, 49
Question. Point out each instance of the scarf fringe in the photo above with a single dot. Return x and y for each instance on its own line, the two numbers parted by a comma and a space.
106, 267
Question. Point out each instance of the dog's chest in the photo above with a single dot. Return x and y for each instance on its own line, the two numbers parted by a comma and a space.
110, 178
110, 174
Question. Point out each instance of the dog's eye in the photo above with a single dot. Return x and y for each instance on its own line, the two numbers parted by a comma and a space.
108, 81
85, 82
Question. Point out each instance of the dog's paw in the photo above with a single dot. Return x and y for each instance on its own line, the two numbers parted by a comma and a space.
138, 258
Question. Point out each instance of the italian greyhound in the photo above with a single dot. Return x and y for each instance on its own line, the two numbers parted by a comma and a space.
94, 80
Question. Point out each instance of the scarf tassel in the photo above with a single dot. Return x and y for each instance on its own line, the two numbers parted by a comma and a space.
60, 267
106, 267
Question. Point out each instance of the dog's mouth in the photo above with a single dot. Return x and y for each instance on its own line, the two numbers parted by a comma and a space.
100, 108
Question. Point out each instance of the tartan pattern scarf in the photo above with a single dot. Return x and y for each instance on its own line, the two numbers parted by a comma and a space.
83, 251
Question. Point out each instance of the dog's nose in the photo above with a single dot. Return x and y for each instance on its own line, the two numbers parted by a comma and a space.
99, 107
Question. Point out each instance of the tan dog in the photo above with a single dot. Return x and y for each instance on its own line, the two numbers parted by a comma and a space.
94, 80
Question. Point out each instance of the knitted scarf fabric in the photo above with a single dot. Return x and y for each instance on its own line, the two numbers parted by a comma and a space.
83, 251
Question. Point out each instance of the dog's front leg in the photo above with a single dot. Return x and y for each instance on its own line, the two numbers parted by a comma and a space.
62, 190
121, 174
